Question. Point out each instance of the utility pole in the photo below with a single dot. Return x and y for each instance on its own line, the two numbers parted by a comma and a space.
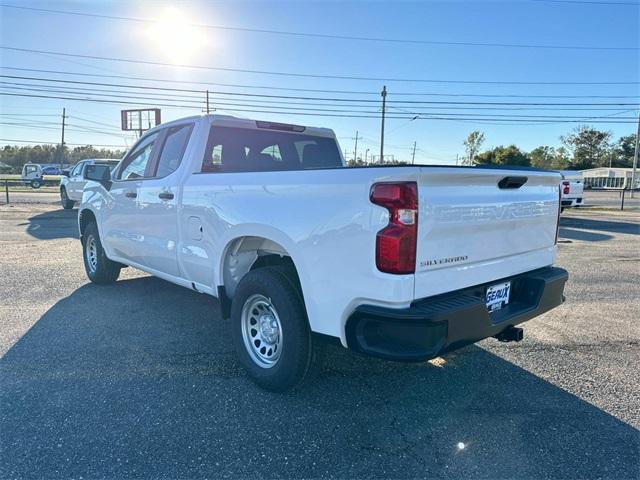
635, 159
207, 102
64, 117
413, 155
366, 154
456, 159
384, 107
355, 149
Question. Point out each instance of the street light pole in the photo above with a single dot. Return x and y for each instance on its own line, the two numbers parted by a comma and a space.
384, 107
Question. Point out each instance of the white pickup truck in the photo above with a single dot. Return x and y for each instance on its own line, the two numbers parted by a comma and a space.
571, 189
402, 262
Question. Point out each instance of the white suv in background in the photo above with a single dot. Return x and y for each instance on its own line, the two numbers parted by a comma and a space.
71, 185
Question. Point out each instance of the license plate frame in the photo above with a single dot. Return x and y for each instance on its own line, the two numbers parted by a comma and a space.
497, 296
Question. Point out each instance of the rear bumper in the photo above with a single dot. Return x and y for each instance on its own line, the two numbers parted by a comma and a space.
572, 202
435, 325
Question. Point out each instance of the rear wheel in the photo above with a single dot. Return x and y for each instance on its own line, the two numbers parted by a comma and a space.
36, 183
99, 268
66, 202
270, 329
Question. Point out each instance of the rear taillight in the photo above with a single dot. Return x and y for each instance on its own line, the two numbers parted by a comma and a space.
566, 186
559, 210
396, 243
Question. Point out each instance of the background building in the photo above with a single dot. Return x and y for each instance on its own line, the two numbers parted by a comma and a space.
613, 178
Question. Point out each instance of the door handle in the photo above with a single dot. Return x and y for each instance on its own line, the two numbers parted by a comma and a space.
131, 194
165, 196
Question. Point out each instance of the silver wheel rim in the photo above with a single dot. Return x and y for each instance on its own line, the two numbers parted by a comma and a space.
261, 331
63, 194
91, 252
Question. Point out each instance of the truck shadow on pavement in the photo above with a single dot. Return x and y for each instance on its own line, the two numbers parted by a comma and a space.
592, 230
138, 379
611, 226
53, 224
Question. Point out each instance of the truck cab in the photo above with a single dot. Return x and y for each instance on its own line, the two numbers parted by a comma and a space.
32, 175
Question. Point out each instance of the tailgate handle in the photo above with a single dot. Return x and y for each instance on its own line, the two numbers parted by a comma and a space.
512, 182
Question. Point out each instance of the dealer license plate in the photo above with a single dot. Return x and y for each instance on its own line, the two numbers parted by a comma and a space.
497, 296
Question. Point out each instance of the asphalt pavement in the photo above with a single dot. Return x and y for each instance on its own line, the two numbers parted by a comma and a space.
138, 379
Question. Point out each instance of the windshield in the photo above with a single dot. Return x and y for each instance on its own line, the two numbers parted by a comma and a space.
246, 150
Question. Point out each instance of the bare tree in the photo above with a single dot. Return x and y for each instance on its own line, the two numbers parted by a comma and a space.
472, 146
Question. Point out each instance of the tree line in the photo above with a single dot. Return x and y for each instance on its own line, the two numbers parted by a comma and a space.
14, 156
584, 147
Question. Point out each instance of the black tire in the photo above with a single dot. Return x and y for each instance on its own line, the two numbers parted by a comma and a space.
36, 183
292, 365
66, 202
104, 271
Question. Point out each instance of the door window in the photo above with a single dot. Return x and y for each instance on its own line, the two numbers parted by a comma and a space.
77, 169
173, 149
135, 164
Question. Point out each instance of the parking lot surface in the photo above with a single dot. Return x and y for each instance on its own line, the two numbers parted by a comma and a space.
138, 379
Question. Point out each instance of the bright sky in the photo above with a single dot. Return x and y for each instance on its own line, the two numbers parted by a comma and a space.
558, 23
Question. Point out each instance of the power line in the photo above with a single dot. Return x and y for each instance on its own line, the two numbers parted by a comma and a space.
292, 89
38, 142
295, 109
350, 102
334, 115
589, 2
306, 75
326, 35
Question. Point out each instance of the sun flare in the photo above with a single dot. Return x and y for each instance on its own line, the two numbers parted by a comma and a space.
175, 36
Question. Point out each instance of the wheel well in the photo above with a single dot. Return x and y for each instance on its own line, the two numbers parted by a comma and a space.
85, 218
249, 253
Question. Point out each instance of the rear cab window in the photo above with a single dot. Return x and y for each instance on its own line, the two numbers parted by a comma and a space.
235, 149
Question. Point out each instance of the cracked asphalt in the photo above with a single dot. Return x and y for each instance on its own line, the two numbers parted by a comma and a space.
138, 379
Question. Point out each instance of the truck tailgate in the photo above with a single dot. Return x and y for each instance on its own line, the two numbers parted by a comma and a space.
475, 229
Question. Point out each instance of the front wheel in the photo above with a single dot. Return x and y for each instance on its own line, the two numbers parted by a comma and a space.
99, 268
36, 183
66, 202
270, 329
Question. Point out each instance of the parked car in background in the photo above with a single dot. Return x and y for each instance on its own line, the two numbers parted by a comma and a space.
571, 189
397, 262
72, 184
32, 175
51, 170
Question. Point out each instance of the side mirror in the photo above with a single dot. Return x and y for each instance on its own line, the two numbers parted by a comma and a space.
98, 173
66, 173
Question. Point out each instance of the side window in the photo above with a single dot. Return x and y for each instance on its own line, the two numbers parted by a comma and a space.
173, 149
216, 155
135, 164
77, 169
273, 151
